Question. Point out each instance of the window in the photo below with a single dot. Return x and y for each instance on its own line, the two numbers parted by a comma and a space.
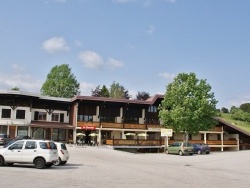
152, 109
30, 145
17, 145
47, 145
20, 114
41, 116
55, 117
6, 113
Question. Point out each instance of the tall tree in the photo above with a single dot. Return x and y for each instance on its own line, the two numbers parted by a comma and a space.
142, 95
188, 105
245, 107
61, 82
15, 89
118, 91
104, 92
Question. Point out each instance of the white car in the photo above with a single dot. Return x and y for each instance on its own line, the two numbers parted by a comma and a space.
63, 154
41, 153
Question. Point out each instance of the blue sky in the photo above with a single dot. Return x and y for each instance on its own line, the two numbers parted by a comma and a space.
140, 44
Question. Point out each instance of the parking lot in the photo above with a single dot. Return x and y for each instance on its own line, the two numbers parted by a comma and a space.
104, 167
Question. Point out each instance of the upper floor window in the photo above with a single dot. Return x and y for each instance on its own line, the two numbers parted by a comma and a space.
6, 113
152, 109
41, 116
84, 118
55, 117
20, 114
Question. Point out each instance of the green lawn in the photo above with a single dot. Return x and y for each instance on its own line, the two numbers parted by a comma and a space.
241, 124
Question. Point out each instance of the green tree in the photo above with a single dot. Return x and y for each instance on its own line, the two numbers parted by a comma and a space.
104, 92
15, 89
245, 107
118, 91
61, 82
142, 95
233, 109
224, 110
239, 114
188, 105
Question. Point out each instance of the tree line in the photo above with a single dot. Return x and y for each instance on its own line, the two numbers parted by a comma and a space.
188, 106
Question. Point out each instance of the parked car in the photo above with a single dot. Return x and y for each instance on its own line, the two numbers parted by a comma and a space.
8, 142
4, 138
181, 148
41, 153
63, 154
201, 148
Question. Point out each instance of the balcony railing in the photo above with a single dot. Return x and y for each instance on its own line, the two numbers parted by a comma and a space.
142, 142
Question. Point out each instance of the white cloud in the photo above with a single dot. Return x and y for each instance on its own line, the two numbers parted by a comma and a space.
91, 59
18, 78
55, 44
86, 88
167, 75
150, 30
113, 63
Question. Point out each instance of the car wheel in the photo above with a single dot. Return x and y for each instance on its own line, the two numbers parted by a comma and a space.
49, 165
207, 152
180, 153
199, 152
63, 162
10, 164
1, 161
39, 163
58, 162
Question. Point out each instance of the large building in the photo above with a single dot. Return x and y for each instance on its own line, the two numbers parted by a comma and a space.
120, 123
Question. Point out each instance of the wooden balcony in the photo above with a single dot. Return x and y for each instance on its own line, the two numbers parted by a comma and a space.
118, 125
142, 142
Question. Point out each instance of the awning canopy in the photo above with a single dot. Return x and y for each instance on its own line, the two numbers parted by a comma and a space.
54, 125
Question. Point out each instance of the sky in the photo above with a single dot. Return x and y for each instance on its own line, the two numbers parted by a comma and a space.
140, 44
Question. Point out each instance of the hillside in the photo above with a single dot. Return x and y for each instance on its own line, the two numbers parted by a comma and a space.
241, 124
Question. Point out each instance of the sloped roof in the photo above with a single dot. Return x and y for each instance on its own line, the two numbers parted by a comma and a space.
232, 126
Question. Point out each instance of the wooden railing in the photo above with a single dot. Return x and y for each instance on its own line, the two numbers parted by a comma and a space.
118, 125
142, 142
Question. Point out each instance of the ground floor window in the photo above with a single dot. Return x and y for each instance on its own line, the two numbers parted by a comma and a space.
3, 129
22, 131
38, 133
59, 135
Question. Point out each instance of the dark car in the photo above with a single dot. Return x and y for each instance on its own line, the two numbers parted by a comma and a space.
201, 148
4, 138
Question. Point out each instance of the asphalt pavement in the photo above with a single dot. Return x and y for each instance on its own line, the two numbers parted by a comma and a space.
103, 167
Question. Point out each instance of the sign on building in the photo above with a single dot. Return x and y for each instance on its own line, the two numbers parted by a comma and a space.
167, 132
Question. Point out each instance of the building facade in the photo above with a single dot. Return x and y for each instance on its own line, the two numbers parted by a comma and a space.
119, 123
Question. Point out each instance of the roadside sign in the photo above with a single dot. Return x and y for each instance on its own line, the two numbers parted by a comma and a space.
167, 132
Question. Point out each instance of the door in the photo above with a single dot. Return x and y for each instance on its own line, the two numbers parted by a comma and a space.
29, 151
14, 152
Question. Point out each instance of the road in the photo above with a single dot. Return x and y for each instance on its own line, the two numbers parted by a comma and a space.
102, 167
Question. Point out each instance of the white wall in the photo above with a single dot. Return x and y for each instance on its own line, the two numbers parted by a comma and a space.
12, 119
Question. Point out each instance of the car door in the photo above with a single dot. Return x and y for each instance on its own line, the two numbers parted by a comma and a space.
29, 151
14, 152
171, 148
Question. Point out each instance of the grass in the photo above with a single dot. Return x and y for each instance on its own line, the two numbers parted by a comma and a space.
240, 124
